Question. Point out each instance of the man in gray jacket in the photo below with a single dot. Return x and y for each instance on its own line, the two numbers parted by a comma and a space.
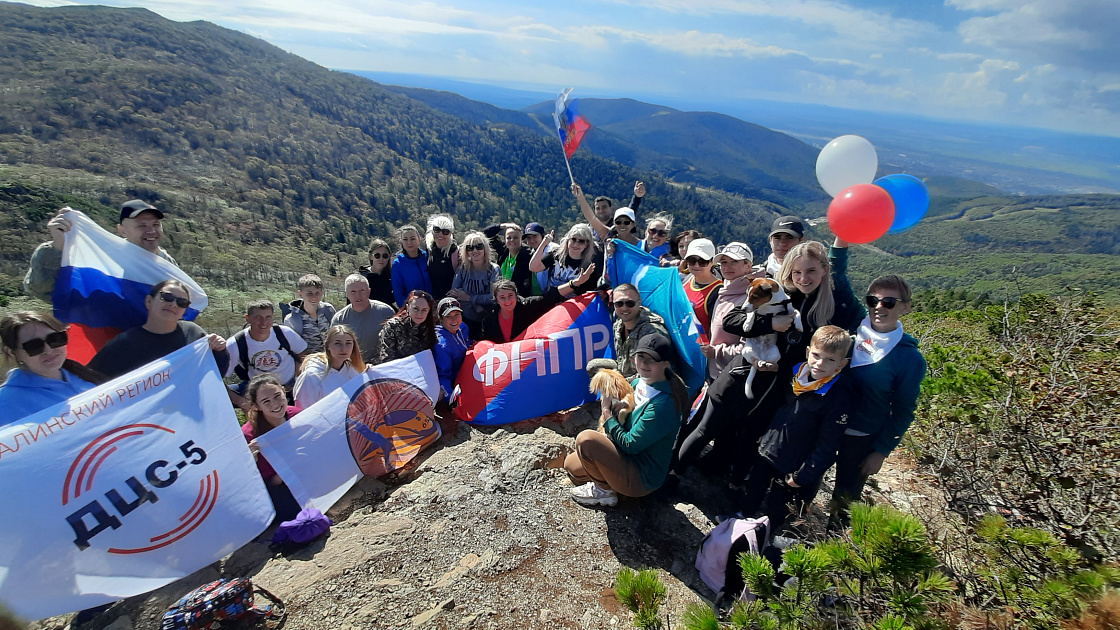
140, 224
632, 322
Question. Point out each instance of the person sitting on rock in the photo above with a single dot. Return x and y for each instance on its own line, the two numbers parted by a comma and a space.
269, 409
631, 456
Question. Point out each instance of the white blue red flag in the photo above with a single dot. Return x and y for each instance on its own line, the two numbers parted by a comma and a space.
663, 292
372, 425
569, 124
542, 371
125, 488
104, 279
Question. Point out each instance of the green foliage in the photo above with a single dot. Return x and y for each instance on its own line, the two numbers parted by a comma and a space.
700, 617
643, 593
758, 574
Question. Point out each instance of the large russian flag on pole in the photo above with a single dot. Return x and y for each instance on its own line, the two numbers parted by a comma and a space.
663, 293
540, 372
104, 279
569, 124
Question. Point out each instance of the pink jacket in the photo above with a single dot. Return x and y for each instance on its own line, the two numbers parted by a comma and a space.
727, 345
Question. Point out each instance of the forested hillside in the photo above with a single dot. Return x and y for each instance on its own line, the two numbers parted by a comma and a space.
256, 152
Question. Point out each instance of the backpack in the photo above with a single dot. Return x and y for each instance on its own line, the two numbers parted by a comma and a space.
220, 601
718, 558
308, 525
242, 369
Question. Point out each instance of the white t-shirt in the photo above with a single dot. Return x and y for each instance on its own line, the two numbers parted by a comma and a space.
267, 357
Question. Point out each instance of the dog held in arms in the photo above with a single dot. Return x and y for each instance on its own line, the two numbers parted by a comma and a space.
613, 388
766, 297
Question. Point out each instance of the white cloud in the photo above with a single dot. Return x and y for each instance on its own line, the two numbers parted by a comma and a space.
691, 43
960, 57
860, 25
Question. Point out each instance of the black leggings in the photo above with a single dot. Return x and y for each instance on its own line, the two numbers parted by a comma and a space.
853, 449
767, 489
732, 420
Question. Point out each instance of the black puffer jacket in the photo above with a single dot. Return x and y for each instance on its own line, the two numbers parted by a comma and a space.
805, 431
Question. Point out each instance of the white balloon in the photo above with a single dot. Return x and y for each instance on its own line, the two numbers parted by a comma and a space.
846, 161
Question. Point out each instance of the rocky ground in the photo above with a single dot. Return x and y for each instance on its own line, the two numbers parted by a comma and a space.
481, 533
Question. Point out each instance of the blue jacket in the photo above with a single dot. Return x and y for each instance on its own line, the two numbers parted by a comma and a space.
886, 394
410, 274
449, 352
26, 393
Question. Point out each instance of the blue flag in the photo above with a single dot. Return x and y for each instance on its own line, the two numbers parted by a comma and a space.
663, 292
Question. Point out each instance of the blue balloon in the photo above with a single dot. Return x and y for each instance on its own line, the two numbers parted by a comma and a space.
911, 199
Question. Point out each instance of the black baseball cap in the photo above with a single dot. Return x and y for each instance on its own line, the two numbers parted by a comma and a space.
656, 345
133, 209
788, 225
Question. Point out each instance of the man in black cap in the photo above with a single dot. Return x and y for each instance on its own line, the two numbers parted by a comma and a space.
140, 224
785, 233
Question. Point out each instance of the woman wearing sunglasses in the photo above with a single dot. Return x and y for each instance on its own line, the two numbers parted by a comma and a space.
379, 273
577, 253
36, 345
887, 372
475, 280
443, 254
656, 242
702, 286
163, 333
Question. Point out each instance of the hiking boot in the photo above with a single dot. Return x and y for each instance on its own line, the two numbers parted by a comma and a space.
591, 494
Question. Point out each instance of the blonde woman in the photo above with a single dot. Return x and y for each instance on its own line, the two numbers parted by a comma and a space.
326, 371
475, 279
443, 254
577, 252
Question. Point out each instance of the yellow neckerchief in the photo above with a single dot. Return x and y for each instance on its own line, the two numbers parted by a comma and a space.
813, 386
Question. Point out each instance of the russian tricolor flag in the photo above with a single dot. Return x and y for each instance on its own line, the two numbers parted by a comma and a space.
569, 124
102, 284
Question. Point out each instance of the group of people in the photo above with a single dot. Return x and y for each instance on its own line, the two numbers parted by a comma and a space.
843, 392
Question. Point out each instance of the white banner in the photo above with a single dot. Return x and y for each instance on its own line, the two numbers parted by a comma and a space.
374, 424
125, 488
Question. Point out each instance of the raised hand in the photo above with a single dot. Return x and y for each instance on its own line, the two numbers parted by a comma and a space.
639, 189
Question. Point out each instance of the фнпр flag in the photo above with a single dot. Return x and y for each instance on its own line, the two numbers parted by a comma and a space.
104, 279
569, 124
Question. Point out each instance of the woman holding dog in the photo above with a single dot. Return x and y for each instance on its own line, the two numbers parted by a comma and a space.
816, 279
631, 456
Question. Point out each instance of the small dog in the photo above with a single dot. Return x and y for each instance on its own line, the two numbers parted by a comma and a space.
613, 387
766, 297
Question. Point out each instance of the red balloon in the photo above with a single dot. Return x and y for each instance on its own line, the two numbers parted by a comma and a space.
861, 213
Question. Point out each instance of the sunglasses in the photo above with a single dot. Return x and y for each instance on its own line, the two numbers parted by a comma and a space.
626, 303
623, 222
442, 231
477, 247
887, 302
378, 256
35, 347
654, 232
699, 262
171, 297
581, 241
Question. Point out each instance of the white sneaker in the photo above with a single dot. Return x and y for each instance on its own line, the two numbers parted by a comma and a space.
591, 494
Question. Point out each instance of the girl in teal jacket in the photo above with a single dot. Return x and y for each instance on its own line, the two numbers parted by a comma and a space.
631, 457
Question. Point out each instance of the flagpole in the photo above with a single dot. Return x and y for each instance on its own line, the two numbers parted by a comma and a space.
568, 163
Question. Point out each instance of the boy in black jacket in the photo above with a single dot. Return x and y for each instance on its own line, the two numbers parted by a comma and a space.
800, 444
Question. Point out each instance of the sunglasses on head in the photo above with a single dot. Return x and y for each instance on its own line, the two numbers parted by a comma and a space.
171, 297
625, 303
656, 232
581, 241
887, 302
697, 261
623, 221
378, 256
474, 247
35, 347
443, 231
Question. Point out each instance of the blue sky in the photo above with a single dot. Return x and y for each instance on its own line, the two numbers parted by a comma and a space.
1045, 63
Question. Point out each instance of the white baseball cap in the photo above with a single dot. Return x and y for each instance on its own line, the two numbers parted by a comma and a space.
701, 248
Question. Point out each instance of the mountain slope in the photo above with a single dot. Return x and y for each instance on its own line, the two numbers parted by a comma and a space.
247, 145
